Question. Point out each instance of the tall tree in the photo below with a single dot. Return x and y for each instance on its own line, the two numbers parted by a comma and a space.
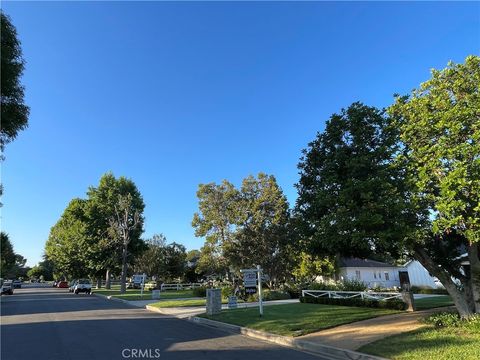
123, 226
262, 236
102, 203
440, 135
350, 197
243, 226
14, 113
215, 221
69, 245
7, 259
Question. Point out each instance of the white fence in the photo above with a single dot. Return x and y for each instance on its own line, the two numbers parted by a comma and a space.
379, 296
164, 287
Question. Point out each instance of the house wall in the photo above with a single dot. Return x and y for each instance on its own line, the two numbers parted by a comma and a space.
371, 277
419, 276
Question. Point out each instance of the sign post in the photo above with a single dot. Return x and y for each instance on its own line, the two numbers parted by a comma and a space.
252, 279
142, 285
260, 302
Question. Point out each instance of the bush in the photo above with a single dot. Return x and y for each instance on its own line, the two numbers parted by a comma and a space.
353, 285
200, 291
268, 295
427, 290
395, 304
227, 291
446, 319
293, 290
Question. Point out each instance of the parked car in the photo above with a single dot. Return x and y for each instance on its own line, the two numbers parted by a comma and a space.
7, 288
71, 286
62, 284
83, 285
17, 284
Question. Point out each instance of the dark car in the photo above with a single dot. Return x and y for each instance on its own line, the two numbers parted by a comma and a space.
17, 284
62, 284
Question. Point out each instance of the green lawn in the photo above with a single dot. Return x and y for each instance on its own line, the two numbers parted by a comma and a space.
134, 294
461, 342
433, 302
297, 319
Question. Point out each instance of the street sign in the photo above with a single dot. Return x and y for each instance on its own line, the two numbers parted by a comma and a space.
250, 279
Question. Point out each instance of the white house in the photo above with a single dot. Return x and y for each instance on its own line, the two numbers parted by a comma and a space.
419, 276
372, 273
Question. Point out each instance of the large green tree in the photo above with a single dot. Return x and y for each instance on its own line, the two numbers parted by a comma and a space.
215, 221
81, 243
351, 199
14, 112
7, 259
69, 246
103, 203
262, 230
439, 127
243, 227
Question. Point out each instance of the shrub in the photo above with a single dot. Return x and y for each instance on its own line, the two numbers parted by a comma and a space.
395, 304
427, 290
275, 295
353, 285
227, 291
200, 291
446, 319
294, 290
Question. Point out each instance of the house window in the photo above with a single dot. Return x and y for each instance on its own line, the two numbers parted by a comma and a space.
379, 275
357, 274
387, 277
374, 274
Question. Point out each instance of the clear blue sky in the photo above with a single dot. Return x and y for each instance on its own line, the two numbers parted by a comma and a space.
176, 94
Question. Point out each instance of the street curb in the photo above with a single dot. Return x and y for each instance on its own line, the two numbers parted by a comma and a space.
326, 350
109, 297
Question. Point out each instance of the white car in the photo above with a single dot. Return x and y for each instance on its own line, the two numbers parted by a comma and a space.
7, 288
83, 285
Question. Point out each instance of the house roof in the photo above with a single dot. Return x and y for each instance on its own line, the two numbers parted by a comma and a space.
357, 262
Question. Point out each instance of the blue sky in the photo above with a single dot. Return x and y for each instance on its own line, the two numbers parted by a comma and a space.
176, 94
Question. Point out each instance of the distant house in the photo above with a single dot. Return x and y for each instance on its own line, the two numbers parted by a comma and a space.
372, 273
419, 276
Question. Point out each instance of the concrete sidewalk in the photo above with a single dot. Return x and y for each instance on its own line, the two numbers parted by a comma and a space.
355, 335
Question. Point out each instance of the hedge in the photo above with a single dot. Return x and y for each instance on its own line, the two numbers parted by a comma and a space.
395, 304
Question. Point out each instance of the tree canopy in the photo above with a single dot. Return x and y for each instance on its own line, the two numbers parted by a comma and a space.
439, 125
14, 112
350, 196
243, 226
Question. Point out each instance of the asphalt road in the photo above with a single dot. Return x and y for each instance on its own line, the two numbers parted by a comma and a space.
52, 324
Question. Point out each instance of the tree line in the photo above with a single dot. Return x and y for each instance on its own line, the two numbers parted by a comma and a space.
395, 183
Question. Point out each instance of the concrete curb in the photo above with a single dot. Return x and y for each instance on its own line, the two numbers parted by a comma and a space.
109, 297
321, 349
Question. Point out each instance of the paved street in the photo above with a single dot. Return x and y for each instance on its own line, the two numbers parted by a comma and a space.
52, 324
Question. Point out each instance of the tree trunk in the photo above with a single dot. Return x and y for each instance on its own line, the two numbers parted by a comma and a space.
99, 283
473, 252
459, 297
107, 280
123, 285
